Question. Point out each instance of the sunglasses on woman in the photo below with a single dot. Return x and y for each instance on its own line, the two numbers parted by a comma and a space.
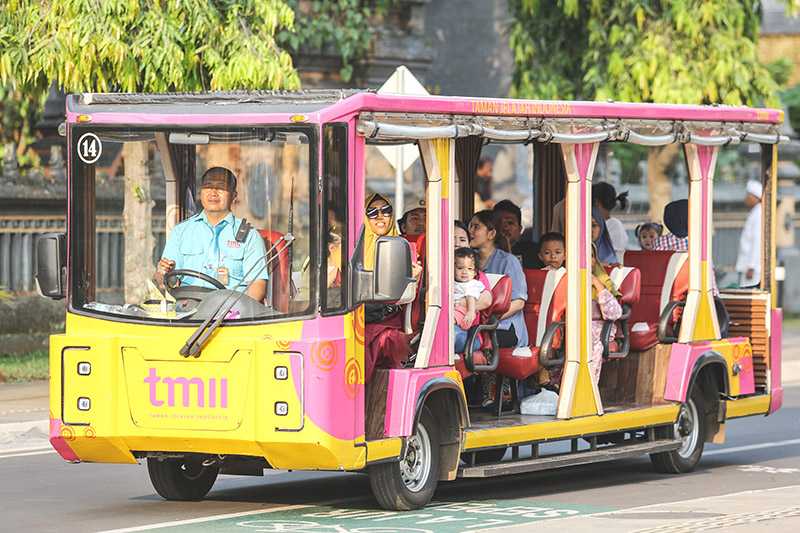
385, 210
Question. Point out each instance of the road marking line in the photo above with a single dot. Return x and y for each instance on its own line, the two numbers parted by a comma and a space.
753, 447
213, 518
41, 452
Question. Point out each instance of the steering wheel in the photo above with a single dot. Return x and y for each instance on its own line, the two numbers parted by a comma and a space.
171, 282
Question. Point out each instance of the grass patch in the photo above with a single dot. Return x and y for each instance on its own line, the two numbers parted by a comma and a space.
25, 367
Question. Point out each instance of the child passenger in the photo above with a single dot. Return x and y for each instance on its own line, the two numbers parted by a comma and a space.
604, 307
551, 250
647, 234
466, 291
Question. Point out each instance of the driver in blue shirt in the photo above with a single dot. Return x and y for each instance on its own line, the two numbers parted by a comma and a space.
207, 242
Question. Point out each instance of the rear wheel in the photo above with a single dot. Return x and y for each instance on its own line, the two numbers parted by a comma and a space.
410, 483
690, 429
181, 479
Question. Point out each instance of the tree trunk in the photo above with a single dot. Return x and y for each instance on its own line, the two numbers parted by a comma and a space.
137, 222
659, 186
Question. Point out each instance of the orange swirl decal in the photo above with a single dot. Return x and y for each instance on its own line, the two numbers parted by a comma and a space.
89, 433
352, 378
67, 433
283, 344
359, 325
324, 356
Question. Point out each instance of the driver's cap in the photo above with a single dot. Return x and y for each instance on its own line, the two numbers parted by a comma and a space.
218, 178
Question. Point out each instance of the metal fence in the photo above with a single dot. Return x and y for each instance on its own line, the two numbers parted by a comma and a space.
18, 236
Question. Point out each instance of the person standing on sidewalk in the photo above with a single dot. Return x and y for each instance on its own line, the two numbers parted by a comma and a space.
748, 263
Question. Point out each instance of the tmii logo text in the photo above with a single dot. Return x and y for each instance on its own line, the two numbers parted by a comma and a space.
207, 394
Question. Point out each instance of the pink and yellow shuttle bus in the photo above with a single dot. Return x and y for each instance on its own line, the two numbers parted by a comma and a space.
201, 379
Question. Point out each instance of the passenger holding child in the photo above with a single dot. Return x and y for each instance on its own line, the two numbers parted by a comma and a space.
466, 292
551, 251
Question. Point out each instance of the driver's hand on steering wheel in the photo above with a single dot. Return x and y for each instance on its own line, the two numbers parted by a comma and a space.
164, 266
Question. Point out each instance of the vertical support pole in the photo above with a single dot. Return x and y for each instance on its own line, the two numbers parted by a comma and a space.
579, 395
436, 342
699, 320
769, 214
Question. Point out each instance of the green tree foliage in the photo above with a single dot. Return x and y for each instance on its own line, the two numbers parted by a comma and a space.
137, 45
338, 27
688, 51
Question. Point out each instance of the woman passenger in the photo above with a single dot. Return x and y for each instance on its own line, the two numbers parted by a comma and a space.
600, 238
386, 344
605, 197
511, 331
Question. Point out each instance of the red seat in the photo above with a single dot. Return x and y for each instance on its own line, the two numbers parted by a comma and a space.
487, 357
546, 304
278, 269
664, 278
628, 281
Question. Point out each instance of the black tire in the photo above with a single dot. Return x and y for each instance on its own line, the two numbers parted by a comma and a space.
181, 479
690, 427
494, 455
410, 483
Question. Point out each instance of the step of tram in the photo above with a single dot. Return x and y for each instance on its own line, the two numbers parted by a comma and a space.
608, 453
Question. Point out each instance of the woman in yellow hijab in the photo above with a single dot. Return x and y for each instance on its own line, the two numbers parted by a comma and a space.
386, 345
378, 222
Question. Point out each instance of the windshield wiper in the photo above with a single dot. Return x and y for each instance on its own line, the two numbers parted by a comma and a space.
200, 337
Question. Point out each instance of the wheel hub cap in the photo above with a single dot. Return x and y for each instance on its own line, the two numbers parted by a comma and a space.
415, 466
687, 429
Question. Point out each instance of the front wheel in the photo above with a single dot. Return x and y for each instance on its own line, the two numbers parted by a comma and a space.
690, 428
181, 479
410, 483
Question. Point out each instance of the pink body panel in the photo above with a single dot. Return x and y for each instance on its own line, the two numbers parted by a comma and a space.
775, 344
682, 359
583, 157
440, 349
457, 105
401, 402
705, 154
333, 385
59, 441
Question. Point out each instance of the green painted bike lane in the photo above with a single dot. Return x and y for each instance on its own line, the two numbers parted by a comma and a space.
437, 517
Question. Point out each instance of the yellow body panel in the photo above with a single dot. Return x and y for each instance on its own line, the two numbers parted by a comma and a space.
560, 429
128, 413
379, 450
755, 405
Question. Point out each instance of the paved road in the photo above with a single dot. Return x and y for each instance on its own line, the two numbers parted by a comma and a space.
42, 493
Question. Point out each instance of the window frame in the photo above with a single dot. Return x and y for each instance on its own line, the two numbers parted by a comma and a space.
81, 186
343, 129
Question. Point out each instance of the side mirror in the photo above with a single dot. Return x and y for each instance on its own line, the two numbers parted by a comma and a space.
391, 280
51, 260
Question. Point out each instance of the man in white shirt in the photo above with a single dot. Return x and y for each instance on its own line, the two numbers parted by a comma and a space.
748, 263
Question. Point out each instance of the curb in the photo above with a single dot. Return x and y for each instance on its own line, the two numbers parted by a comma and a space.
24, 435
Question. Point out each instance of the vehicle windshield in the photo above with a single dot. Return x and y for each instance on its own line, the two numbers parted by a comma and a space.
142, 196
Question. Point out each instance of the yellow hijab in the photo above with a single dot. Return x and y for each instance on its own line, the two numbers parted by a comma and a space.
600, 273
370, 237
